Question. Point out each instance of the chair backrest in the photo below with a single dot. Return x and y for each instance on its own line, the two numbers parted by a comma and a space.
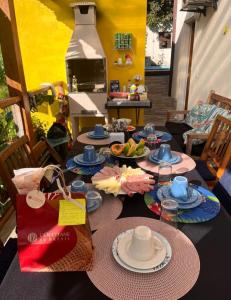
15, 156
42, 152
217, 150
219, 101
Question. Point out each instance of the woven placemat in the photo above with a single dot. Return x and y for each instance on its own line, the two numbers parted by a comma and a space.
206, 211
109, 211
172, 282
185, 165
84, 139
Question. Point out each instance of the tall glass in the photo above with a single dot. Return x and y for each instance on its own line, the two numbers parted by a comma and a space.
151, 141
164, 174
169, 212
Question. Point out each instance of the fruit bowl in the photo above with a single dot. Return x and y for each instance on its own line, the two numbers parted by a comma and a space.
136, 156
130, 149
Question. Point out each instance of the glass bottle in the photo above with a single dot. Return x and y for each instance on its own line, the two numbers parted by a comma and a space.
129, 86
74, 84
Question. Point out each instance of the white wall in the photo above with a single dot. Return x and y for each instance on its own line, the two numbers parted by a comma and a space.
153, 50
211, 65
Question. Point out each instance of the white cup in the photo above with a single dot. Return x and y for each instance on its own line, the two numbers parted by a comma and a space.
143, 244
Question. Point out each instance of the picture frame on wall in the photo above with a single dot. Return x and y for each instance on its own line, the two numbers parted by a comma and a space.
114, 86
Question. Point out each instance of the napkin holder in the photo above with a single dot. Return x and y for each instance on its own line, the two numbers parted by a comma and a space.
117, 137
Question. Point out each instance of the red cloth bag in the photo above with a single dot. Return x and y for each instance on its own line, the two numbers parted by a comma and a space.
44, 246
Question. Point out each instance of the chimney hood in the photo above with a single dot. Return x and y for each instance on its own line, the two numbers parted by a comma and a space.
85, 42
86, 66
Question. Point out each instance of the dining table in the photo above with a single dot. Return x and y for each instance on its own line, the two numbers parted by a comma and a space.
212, 240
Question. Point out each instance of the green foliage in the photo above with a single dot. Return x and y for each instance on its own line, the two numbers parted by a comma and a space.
160, 15
39, 128
2, 73
8, 129
3, 91
3, 87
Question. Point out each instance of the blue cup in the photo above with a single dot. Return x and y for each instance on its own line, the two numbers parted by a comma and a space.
164, 152
179, 188
89, 154
149, 128
99, 130
78, 186
93, 199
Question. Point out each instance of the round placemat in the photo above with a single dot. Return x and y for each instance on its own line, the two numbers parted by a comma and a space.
164, 138
84, 139
110, 210
207, 210
185, 165
172, 282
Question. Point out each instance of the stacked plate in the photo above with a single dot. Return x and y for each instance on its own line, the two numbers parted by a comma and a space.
153, 157
193, 200
93, 135
122, 255
80, 160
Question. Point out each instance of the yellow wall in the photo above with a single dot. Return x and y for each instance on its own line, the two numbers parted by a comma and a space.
45, 28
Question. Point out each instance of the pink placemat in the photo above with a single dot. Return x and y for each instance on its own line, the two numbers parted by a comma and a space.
172, 282
84, 139
187, 164
109, 211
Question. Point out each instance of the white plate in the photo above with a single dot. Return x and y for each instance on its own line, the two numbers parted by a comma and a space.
146, 152
152, 270
122, 249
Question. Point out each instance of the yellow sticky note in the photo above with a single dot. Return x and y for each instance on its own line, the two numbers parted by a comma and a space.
71, 214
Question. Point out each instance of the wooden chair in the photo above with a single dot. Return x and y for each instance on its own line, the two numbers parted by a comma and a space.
216, 155
15, 156
42, 152
213, 98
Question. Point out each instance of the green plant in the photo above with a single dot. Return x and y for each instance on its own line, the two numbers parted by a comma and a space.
3, 87
160, 15
3, 91
8, 128
2, 72
39, 128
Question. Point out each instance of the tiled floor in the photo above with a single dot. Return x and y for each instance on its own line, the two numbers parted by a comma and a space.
161, 103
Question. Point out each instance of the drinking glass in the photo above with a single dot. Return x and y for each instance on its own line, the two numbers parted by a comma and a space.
149, 128
169, 211
78, 186
106, 152
164, 174
151, 141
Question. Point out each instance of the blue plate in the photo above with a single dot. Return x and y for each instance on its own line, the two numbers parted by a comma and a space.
92, 135
79, 160
153, 157
157, 133
195, 198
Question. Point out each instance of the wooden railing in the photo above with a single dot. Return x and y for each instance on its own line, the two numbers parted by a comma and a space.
10, 101
60, 84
